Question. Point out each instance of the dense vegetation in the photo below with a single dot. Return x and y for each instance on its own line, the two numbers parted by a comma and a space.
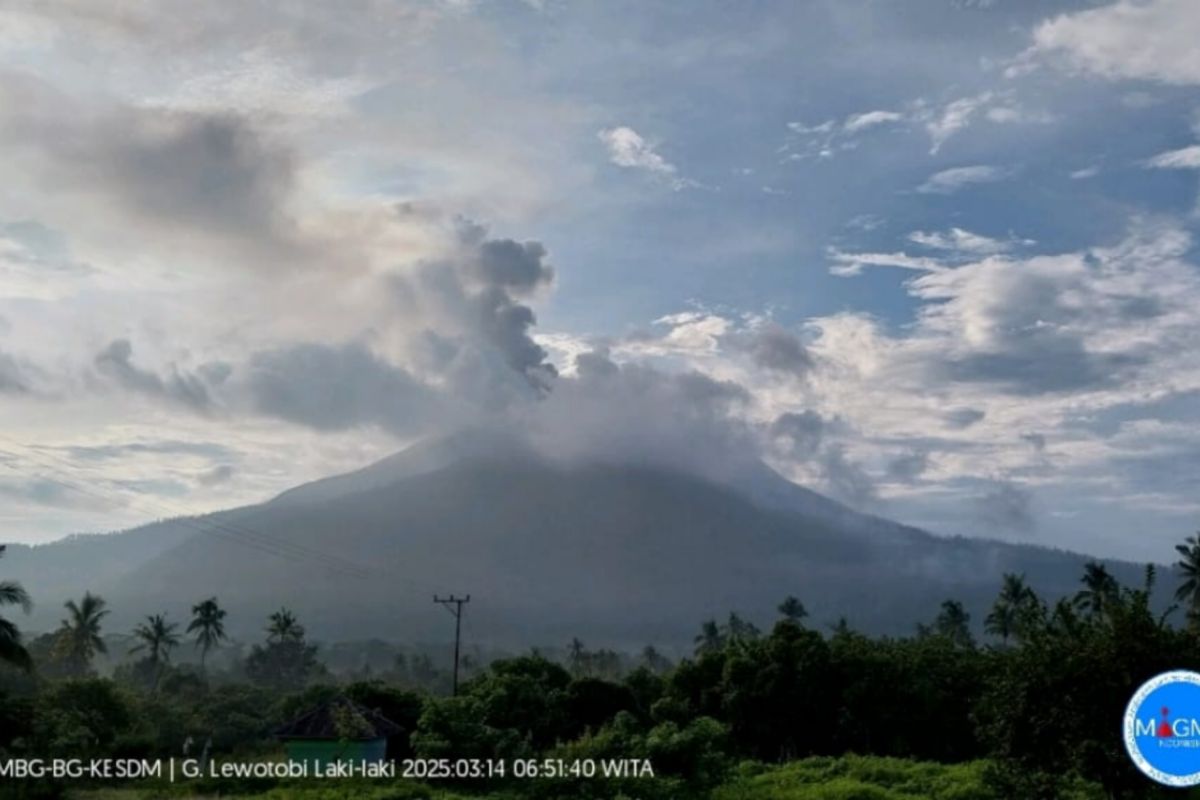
794, 713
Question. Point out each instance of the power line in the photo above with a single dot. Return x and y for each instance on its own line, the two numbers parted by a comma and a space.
262, 542
457, 611
235, 533
194, 524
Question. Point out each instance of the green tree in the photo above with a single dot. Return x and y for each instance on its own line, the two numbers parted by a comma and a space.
646, 687
1004, 618
208, 623
526, 694
453, 727
592, 702
653, 660
1075, 675
792, 609
771, 686
81, 718
286, 661
1099, 590
79, 636
1189, 590
11, 649
156, 638
518, 708
1065, 620
284, 627
954, 623
740, 631
605, 663
710, 639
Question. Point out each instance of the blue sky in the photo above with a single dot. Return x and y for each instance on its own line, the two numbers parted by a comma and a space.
935, 258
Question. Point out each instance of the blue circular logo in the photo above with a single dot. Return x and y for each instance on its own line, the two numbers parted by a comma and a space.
1162, 728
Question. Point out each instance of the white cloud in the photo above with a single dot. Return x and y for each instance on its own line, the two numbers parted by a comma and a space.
1147, 40
1086, 322
627, 148
940, 122
692, 331
1045, 343
1015, 114
384, 142
1003, 352
869, 119
825, 127
963, 241
951, 180
952, 118
827, 139
865, 222
998, 107
1184, 158
846, 264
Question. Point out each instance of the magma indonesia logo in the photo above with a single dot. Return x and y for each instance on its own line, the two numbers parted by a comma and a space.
1162, 728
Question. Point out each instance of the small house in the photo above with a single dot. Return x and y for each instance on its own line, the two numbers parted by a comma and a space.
338, 731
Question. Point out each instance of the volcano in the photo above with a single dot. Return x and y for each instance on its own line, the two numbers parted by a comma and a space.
619, 553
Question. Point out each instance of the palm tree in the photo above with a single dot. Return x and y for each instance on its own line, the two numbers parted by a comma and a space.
208, 625
1005, 614
1149, 581
156, 638
1099, 590
1065, 621
740, 631
1189, 591
11, 650
710, 639
954, 623
79, 635
792, 609
284, 627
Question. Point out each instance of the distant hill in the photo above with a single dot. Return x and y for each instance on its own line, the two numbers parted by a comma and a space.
618, 554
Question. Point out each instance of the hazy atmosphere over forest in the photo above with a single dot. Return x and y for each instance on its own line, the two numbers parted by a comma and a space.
935, 259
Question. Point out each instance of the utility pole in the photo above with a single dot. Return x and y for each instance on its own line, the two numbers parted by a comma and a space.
455, 606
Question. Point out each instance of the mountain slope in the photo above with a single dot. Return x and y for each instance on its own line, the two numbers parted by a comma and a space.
612, 553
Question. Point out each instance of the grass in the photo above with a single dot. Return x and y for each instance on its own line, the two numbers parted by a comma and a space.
863, 778
845, 778
341, 790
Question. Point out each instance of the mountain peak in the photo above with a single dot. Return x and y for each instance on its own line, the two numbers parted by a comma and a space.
430, 454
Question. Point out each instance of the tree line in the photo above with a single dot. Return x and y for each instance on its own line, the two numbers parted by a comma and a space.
1039, 701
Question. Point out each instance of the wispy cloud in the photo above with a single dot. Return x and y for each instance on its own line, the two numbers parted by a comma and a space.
941, 121
1183, 158
847, 264
870, 119
958, 240
998, 107
952, 118
825, 139
951, 180
627, 148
